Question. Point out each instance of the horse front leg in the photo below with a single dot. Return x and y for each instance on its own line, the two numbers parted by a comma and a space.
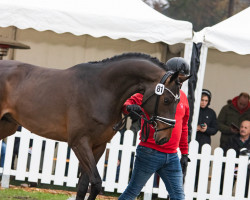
86, 158
83, 185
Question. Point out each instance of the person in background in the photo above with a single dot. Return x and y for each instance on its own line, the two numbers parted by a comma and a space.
207, 126
207, 122
162, 159
241, 144
230, 117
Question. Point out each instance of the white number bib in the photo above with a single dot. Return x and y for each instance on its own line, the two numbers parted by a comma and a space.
159, 89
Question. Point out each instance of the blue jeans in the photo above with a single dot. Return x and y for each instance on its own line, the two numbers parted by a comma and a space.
147, 162
3, 149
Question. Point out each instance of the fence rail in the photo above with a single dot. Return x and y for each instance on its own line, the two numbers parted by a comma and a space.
56, 164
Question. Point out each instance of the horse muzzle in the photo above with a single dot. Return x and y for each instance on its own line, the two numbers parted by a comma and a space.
164, 137
160, 141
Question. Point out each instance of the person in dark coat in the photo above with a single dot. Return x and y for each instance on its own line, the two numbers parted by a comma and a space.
231, 116
241, 140
207, 124
241, 144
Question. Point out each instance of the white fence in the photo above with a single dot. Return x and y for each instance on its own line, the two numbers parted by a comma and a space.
62, 169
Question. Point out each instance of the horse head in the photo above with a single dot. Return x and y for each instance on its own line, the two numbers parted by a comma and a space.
162, 106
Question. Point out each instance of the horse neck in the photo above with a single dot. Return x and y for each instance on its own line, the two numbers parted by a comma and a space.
129, 78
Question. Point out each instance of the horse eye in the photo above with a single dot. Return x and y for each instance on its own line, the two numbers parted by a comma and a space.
166, 101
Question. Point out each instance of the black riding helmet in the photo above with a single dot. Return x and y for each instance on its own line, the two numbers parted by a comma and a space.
208, 94
178, 64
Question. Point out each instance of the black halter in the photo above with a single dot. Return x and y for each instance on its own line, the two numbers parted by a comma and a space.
152, 121
158, 87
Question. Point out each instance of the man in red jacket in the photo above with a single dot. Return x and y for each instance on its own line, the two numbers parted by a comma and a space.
161, 159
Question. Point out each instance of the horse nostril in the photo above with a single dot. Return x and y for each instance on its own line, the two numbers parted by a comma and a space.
162, 141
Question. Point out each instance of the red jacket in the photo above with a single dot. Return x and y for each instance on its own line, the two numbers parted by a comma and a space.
234, 102
180, 132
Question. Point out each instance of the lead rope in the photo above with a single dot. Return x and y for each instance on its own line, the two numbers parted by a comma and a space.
145, 128
121, 124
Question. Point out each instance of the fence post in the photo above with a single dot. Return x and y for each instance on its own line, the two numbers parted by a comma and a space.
191, 170
204, 172
229, 174
127, 150
216, 173
101, 164
148, 188
112, 163
162, 193
7, 162
60, 163
241, 177
48, 161
35, 158
23, 152
72, 178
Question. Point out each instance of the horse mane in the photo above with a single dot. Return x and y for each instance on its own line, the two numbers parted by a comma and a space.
132, 55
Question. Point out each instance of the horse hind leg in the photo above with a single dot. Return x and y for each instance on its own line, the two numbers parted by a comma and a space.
7, 127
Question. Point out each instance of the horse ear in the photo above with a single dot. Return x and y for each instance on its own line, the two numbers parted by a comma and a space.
174, 76
184, 78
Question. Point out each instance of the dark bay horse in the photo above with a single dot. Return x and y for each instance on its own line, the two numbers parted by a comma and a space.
80, 105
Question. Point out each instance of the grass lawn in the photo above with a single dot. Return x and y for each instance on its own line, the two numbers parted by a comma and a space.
44, 192
16, 193
13, 193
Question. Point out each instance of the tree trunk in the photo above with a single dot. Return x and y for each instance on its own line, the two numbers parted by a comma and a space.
230, 8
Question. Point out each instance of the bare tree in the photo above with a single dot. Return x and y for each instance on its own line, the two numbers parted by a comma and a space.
204, 13
230, 8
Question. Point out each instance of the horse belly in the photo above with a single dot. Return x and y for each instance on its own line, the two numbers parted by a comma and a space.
50, 132
45, 126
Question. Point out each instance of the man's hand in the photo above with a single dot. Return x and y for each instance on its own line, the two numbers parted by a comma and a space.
234, 130
184, 163
134, 108
202, 127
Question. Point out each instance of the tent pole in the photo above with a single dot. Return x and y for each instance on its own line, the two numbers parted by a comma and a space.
187, 57
199, 86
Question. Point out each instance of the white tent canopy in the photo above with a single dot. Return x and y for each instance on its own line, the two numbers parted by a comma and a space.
130, 19
232, 34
